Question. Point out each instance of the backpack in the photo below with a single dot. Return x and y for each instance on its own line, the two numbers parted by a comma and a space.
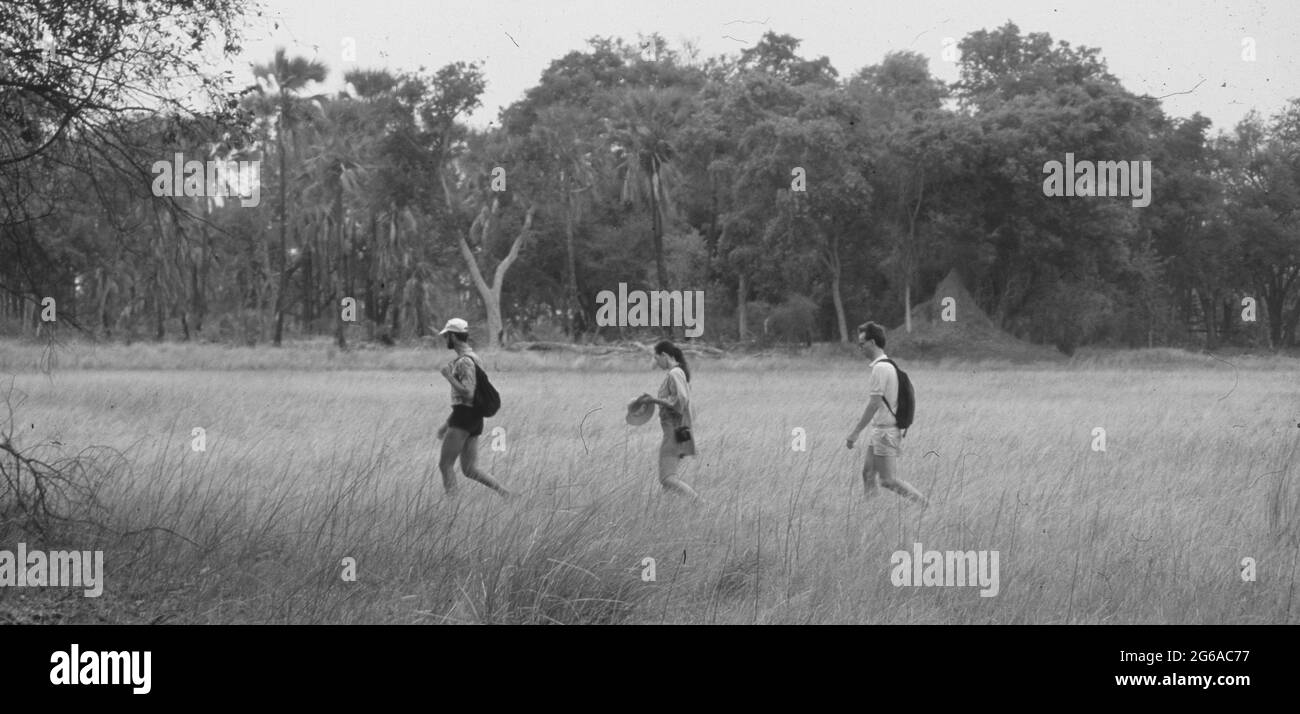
487, 401
906, 399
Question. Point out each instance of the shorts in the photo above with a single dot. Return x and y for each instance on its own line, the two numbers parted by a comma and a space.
463, 418
886, 441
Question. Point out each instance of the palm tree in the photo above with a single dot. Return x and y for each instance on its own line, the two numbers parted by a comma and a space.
281, 82
641, 135
562, 132
383, 254
341, 142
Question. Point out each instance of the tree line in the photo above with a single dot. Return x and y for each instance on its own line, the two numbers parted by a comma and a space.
789, 194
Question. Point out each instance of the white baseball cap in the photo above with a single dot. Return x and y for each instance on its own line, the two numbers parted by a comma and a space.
455, 324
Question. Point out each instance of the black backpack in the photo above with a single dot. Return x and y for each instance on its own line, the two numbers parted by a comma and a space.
906, 399
487, 402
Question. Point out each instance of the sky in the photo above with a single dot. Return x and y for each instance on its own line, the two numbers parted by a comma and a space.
1219, 58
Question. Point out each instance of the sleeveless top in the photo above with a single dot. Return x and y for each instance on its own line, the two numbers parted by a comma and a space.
463, 372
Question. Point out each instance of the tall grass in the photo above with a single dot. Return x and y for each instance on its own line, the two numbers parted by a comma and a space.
320, 354
304, 469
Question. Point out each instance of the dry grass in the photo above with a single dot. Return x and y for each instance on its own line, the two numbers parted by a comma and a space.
304, 468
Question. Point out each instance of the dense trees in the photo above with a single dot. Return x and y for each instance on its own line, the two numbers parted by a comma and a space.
85, 87
799, 200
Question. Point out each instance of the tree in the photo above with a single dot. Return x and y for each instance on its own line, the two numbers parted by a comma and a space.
1188, 226
77, 79
1264, 198
1034, 102
281, 81
811, 167
777, 55
479, 168
341, 142
907, 129
641, 135
567, 143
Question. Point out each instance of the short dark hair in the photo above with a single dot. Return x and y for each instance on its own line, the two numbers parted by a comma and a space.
872, 331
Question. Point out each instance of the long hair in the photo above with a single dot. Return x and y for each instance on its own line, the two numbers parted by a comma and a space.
668, 348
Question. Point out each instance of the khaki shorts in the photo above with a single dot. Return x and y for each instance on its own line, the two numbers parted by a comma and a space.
886, 441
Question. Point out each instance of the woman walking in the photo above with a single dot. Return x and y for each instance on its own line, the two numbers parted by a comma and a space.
675, 416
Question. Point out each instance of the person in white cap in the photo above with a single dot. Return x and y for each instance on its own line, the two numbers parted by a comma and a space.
460, 433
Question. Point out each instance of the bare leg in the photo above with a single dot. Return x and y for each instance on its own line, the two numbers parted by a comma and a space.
668, 459
886, 466
469, 464
453, 443
869, 476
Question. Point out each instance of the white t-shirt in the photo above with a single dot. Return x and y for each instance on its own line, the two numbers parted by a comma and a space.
884, 381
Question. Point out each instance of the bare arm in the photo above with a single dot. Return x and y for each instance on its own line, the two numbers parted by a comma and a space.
872, 405
673, 402
661, 402
449, 373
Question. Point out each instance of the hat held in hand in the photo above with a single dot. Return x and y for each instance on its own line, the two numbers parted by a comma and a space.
639, 411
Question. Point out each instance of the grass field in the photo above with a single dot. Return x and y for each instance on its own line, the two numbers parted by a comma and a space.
337, 459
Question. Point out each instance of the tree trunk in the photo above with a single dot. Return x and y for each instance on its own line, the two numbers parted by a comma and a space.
491, 294
417, 300
103, 284
395, 306
199, 274
657, 227
1284, 282
1228, 312
308, 294
907, 302
1207, 320
372, 305
833, 262
909, 255
1289, 328
338, 278
160, 332
196, 299
388, 281
839, 308
1274, 298
495, 323
742, 306
284, 252
577, 316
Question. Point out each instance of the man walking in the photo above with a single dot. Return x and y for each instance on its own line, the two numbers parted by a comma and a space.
884, 444
460, 434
